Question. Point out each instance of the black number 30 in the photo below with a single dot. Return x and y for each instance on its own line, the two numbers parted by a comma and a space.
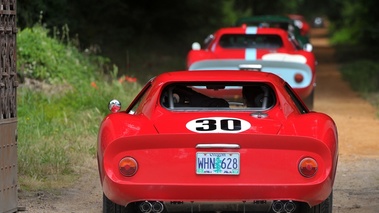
214, 125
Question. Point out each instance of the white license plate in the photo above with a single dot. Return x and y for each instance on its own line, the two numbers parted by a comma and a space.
218, 163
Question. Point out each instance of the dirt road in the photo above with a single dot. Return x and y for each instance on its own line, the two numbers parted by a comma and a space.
357, 182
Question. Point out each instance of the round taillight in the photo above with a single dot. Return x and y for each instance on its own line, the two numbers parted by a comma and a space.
308, 167
299, 77
128, 166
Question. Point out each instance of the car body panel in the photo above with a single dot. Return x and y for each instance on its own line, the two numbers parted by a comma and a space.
302, 23
263, 174
285, 70
165, 140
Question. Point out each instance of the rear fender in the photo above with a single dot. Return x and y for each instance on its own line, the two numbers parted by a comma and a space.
285, 70
319, 126
121, 125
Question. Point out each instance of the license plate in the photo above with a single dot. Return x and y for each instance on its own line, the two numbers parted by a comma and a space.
218, 163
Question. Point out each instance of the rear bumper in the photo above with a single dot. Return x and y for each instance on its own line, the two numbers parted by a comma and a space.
123, 192
268, 170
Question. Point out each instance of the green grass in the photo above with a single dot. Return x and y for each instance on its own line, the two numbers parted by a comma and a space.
58, 131
361, 70
60, 104
363, 77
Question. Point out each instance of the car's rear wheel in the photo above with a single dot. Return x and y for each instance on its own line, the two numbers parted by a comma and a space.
309, 100
111, 207
325, 207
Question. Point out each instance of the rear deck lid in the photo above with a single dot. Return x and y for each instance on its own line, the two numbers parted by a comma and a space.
218, 123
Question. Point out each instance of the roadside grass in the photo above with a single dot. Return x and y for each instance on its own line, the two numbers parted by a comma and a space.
361, 70
363, 77
57, 132
62, 99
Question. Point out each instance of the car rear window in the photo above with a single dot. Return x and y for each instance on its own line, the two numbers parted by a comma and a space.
218, 96
250, 41
272, 24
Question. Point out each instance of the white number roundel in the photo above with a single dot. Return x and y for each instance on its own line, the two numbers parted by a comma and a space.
218, 125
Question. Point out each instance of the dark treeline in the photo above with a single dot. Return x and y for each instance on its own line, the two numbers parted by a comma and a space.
96, 21
181, 22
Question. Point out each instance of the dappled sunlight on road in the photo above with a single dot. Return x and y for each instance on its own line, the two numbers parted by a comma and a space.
356, 119
356, 186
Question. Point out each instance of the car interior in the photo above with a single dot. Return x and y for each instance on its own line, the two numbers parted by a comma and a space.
218, 96
250, 41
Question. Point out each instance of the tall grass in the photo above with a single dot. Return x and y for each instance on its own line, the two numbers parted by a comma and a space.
61, 102
363, 77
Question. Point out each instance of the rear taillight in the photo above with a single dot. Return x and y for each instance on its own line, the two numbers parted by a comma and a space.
299, 77
128, 166
308, 167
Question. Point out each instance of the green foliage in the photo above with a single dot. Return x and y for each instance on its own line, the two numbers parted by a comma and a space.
127, 20
54, 130
96, 22
363, 75
60, 105
343, 36
44, 58
355, 22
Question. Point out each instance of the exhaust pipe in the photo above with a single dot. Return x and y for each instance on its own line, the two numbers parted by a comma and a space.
145, 207
289, 207
277, 206
157, 207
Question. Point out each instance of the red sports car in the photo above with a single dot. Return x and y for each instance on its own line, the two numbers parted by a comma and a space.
301, 23
217, 141
274, 49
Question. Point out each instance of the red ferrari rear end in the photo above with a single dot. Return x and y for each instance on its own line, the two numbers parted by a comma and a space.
232, 170
238, 141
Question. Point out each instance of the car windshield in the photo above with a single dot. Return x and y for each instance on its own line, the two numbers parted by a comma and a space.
218, 96
250, 41
272, 24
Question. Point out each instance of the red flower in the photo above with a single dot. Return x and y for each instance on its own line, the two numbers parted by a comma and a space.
93, 84
130, 79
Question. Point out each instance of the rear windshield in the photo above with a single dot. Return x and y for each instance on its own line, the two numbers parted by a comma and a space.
250, 41
271, 24
218, 96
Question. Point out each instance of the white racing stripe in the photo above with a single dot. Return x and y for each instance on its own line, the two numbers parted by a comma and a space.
284, 57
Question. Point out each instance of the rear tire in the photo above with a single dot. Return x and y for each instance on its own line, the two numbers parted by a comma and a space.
325, 207
309, 100
111, 207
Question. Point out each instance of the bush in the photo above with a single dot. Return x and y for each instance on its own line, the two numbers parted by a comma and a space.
61, 103
363, 75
